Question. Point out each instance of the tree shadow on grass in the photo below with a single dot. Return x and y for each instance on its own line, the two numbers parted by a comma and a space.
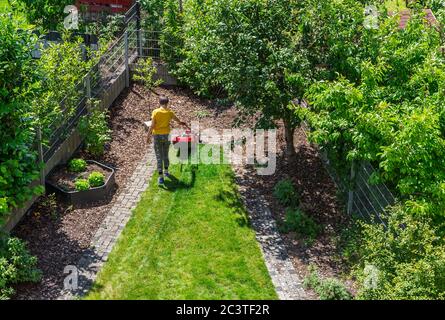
232, 200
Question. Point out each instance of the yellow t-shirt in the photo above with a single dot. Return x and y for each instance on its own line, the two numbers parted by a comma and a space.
162, 118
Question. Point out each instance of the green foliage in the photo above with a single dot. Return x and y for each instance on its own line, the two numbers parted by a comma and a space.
96, 179
144, 72
95, 131
285, 193
326, 289
405, 260
300, 223
16, 265
77, 165
60, 70
49, 202
82, 185
47, 14
18, 159
392, 114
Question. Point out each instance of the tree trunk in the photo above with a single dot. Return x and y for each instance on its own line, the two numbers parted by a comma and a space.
289, 135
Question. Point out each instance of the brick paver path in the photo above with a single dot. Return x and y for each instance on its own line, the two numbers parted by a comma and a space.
285, 278
110, 229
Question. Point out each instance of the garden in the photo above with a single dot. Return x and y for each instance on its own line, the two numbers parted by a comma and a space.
354, 92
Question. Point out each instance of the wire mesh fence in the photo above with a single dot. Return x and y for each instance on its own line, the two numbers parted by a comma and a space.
363, 198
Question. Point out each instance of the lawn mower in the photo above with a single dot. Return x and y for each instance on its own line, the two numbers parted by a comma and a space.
183, 142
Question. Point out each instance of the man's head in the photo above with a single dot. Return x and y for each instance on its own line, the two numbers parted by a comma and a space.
163, 101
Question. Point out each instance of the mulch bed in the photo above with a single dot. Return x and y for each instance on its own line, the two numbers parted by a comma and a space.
58, 234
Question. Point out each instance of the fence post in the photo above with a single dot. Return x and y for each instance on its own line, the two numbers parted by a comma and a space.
138, 27
41, 159
88, 86
351, 188
127, 66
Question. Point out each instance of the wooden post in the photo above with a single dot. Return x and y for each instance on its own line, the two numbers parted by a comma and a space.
88, 86
127, 65
351, 189
41, 159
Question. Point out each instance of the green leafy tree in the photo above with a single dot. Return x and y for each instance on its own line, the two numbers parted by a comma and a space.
250, 50
44, 13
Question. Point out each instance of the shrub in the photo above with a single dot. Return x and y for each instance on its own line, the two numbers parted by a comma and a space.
285, 193
77, 165
82, 184
405, 260
326, 289
300, 223
94, 129
96, 179
17, 155
16, 265
145, 72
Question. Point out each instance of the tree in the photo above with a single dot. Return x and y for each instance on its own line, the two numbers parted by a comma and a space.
252, 51
47, 14
393, 115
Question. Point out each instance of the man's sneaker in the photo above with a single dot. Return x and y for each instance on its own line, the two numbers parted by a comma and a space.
160, 181
167, 175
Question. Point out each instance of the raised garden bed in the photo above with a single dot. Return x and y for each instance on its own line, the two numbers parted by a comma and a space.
62, 181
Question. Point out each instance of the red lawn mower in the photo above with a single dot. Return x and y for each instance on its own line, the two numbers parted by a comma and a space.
184, 142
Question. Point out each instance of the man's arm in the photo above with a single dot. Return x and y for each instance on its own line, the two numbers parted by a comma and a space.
153, 124
180, 122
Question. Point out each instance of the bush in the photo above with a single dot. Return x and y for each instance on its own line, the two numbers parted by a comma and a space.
96, 179
326, 289
16, 265
300, 223
82, 184
94, 129
145, 72
18, 157
285, 193
77, 165
405, 260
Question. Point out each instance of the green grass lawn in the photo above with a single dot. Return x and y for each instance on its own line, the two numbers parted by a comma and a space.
189, 240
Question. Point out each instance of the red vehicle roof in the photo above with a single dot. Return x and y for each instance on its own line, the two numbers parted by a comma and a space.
106, 5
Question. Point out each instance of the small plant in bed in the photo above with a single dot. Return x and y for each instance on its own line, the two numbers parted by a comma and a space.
82, 185
300, 223
328, 288
284, 192
96, 179
77, 165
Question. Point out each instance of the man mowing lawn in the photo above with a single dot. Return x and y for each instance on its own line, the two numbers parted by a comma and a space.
160, 128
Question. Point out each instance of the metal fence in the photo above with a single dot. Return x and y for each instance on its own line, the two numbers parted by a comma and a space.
366, 199
363, 198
